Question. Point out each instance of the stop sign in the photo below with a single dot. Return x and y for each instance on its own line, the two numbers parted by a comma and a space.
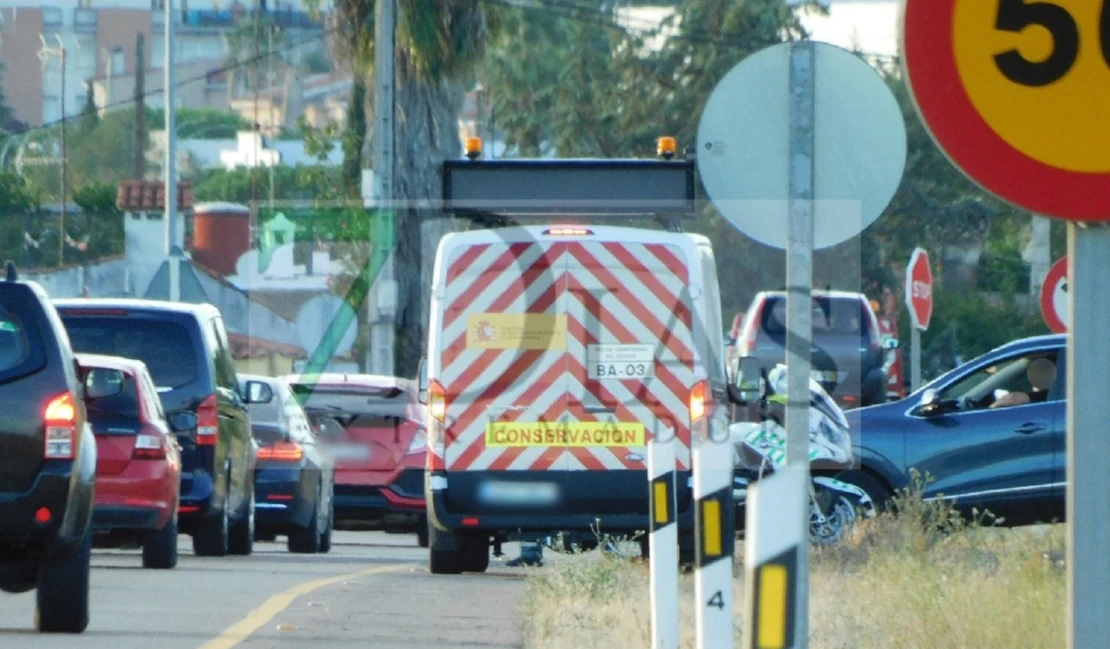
919, 289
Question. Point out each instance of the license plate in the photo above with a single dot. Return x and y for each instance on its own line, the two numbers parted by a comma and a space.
518, 493
824, 376
350, 452
620, 361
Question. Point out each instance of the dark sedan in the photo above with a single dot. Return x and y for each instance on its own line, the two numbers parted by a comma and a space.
294, 479
988, 435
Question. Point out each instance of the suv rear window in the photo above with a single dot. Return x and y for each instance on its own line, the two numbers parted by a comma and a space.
21, 346
165, 347
835, 316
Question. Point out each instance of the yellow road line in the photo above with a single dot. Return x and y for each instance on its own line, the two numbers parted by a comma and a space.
243, 629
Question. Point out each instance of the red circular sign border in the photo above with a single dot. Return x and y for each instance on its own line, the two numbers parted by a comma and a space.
962, 134
1048, 312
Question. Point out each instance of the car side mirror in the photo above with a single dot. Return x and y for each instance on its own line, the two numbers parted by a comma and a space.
183, 422
931, 404
101, 382
749, 384
422, 381
259, 392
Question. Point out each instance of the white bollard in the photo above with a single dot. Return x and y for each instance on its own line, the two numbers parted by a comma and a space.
715, 538
663, 544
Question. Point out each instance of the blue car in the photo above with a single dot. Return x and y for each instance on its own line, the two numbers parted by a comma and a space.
988, 435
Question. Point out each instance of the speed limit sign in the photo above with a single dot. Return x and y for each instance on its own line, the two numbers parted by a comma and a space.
1017, 94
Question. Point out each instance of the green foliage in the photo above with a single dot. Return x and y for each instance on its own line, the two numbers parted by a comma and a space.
317, 62
96, 198
16, 196
193, 123
354, 134
90, 117
6, 113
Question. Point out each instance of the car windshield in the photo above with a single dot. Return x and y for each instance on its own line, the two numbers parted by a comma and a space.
13, 340
165, 347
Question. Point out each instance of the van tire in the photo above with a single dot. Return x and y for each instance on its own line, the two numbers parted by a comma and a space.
212, 539
160, 548
445, 556
475, 554
422, 533
241, 536
62, 597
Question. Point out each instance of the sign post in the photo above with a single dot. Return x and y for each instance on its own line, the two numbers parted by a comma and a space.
919, 301
967, 68
801, 146
1054, 297
663, 544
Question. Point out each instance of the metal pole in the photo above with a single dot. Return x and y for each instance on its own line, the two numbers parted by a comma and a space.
715, 536
663, 544
1088, 370
173, 246
799, 279
380, 350
915, 358
62, 216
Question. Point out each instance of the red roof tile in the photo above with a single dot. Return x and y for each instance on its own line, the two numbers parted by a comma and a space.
248, 347
149, 195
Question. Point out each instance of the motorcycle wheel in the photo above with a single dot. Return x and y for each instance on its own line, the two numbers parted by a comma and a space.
830, 527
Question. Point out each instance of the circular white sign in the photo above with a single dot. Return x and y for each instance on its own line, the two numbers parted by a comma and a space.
859, 145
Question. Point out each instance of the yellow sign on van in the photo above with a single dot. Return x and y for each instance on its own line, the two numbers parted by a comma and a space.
506, 434
516, 331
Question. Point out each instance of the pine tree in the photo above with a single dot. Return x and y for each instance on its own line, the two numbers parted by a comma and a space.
90, 116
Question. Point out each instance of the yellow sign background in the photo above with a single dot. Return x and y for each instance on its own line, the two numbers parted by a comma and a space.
508, 434
1063, 124
516, 331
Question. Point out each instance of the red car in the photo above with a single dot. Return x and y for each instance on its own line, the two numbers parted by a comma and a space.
138, 463
375, 430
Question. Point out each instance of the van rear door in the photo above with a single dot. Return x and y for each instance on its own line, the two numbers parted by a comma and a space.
630, 366
503, 373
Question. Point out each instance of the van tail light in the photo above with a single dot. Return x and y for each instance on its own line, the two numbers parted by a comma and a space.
149, 447
281, 452
437, 401
698, 401
208, 421
61, 427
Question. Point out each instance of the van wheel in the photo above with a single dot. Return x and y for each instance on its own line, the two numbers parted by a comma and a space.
422, 531
241, 541
213, 537
306, 540
475, 554
445, 556
62, 598
160, 549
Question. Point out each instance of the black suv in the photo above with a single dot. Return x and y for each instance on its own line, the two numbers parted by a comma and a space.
185, 347
47, 461
847, 351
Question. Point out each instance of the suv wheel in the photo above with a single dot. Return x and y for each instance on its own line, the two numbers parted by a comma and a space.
160, 549
241, 540
62, 598
212, 539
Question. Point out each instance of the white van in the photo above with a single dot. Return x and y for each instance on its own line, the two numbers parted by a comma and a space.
554, 354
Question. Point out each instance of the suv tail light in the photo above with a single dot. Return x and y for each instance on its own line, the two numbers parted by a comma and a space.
61, 427
149, 447
281, 452
699, 395
208, 421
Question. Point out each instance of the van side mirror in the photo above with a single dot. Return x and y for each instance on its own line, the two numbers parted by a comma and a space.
422, 381
259, 392
101, 382
749, 379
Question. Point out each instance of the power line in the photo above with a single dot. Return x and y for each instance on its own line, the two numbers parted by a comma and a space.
200, 77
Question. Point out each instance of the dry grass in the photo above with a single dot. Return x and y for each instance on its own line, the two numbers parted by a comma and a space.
918, 579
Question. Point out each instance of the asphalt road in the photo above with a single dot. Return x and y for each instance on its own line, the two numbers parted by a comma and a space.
371, 590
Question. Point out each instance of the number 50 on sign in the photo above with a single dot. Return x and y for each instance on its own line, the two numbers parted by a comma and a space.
1016, 93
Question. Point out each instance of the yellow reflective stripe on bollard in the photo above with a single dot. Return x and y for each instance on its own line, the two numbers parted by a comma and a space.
772, 606
661, 515
711, 515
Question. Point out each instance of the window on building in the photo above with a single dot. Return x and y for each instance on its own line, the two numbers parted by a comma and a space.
119, 63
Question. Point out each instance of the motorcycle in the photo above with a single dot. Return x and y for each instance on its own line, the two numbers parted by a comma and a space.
760, 450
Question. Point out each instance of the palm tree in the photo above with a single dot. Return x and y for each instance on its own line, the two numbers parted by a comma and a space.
438, 45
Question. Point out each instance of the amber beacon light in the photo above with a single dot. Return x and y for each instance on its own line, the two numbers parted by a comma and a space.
665, 147
473, 147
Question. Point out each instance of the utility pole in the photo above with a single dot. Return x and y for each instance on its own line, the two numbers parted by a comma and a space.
380, 350
140, 106
44, 54
173, 246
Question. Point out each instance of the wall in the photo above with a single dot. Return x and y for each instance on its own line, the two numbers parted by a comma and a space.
107, 279
145, 245
272, 365
19, 46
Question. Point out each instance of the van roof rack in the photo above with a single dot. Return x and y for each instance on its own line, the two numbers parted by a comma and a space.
504, 191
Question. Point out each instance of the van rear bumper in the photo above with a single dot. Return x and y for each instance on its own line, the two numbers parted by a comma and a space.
632, 520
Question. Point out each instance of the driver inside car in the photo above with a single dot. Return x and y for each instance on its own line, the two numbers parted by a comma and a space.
1042, 374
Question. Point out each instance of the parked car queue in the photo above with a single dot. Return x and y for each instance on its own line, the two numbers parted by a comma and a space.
124, 423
